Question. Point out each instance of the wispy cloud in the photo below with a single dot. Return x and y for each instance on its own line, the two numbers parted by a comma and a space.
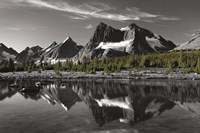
90, 26
19, 28
76, 17
96, 10
170, 18
149, 17
82, 17
14, 28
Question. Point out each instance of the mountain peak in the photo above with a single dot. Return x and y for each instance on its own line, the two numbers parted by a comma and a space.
133, 25
67, 39
102, 24
36, 48
27, 48
51, 45
2, 45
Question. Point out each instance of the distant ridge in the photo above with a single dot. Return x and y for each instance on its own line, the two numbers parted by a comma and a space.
51, 54
60, 52
6, 53
193, 43
29, 54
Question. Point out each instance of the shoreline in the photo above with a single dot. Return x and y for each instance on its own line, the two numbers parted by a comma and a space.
142, 73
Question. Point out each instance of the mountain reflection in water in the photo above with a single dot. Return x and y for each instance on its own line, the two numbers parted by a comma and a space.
127, 101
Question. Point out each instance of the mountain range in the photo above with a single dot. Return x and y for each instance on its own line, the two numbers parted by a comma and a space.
51, 54
105, 42
108, 42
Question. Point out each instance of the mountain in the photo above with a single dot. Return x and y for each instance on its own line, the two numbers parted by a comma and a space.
51, 54
29, 54
6, 53
194, 43
108, 42
60, 52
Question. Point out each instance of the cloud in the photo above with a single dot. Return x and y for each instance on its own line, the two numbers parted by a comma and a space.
30, 28
90, 26
78, 17
148, 17
96, 10
170, 18
14, 28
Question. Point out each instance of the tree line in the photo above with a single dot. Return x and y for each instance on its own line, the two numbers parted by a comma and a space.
188, 60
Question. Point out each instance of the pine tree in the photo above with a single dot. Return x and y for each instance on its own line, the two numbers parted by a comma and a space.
11, 66
197, 69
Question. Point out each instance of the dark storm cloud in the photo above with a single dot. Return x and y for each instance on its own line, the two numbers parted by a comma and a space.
95, 10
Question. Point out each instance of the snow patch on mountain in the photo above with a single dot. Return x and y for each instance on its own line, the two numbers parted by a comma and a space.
154, 42
120, 46
54, 61
156, 36
7, 55
47, 50
125, 28
51, 61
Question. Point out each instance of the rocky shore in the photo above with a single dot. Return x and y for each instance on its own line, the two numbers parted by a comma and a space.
148, 73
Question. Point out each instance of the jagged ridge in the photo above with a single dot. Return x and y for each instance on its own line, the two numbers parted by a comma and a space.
29, 54
129, 40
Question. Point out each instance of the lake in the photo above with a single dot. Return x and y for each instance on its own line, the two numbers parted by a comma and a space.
98, 106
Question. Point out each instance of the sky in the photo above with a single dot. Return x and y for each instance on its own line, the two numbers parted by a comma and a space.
27, 23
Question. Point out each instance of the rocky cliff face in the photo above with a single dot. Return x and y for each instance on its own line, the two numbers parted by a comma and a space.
110, 42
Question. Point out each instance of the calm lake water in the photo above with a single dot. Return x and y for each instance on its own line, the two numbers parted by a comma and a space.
98, 106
